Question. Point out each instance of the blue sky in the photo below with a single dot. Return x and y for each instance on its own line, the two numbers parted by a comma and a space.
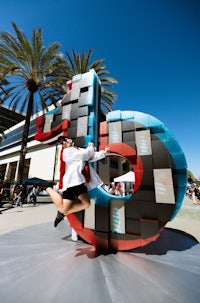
152, 47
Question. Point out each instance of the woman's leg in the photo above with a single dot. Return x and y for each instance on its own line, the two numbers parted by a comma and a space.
65, 206
82, 203
62, 205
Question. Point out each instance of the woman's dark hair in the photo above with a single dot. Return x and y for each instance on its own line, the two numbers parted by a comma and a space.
61, 139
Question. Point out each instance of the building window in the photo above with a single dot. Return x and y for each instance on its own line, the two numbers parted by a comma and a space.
114, 164
2, 171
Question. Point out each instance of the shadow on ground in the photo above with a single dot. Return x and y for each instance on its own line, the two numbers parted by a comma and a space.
169, 240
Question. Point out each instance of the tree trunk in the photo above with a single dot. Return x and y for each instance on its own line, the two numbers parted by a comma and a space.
25, 139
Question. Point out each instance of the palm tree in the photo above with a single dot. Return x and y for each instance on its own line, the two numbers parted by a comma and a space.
35, 77
3, 82
190, 176
80, 63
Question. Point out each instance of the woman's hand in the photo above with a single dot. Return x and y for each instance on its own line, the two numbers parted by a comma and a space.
106, 150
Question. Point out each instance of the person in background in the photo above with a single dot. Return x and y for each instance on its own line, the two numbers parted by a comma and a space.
21, 195
2, 190
33, 196
118, 191
12, 189
16, 191
112, 189
196, 195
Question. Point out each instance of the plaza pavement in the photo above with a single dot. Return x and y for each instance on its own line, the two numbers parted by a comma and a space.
40, 263
187, 219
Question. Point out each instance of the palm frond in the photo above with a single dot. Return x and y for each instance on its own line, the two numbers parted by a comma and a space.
81, 63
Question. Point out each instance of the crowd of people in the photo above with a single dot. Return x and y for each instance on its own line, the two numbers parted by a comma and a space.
193, 192
18, 194
114, 189
119, 188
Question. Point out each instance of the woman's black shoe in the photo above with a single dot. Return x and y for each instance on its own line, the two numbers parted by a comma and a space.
59, 218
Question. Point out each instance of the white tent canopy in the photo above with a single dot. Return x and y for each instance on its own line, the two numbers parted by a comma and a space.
128, 177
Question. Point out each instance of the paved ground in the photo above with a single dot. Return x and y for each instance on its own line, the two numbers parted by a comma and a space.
187, 219
40, 263
20, 217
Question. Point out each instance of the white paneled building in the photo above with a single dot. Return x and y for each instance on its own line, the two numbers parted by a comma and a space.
42, 160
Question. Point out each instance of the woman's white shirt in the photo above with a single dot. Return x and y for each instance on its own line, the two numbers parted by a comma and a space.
75, 160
